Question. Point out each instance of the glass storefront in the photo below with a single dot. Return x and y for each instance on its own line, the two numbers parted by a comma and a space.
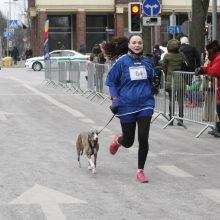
96, 26
59, 32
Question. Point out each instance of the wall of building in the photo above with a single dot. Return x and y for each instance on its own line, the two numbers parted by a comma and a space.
78, 10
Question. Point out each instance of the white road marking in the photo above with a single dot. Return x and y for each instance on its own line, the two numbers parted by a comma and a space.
6, 113
48, 199
175, 171
87, 120
213, 194
2, 115
74, 112
135, 150
189, 154
21, 94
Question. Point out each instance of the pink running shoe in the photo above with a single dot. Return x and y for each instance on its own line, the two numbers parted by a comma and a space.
115, 145
141, 177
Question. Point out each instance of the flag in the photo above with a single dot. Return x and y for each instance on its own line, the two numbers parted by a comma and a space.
46, 47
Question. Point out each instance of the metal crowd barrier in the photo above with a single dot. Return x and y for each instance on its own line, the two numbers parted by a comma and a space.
161, 98
63, 73
74, 69
186, 102
96, 81
193, 99
90, 79
51, 73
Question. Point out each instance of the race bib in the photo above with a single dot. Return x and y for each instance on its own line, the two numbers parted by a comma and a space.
138, 73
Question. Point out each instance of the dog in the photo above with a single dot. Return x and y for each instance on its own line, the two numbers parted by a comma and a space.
87, 144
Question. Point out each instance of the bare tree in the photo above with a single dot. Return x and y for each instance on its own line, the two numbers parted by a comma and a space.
3, 25
199, 16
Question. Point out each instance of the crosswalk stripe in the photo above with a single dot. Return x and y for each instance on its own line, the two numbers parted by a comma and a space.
87, 120
135, 150
213, 194
175, 171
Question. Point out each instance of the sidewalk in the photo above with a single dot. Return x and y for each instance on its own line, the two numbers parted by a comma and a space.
19, 64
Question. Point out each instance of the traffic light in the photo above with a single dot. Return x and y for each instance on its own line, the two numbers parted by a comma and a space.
206, 30
134, 17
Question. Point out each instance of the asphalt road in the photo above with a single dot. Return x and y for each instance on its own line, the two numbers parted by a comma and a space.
40, 178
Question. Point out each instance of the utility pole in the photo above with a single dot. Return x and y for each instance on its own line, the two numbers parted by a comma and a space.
214, 19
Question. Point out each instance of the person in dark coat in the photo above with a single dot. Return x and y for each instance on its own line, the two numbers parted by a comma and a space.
156, 54
97, 55
15, 54
191, 54
28, 53
82, 48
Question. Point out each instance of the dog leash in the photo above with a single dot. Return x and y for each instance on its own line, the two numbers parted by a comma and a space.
107, 124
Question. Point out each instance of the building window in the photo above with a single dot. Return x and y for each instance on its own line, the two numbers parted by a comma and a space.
96, 26
59, 32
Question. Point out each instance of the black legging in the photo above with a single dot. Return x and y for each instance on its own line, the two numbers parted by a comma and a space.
128, 131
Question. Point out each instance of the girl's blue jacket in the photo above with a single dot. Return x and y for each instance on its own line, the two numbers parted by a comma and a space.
132, 77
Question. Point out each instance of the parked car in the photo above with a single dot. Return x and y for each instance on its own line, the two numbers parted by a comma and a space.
37, 63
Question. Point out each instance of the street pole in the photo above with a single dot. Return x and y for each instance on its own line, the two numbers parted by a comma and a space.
214, 19
173, 22
8, 27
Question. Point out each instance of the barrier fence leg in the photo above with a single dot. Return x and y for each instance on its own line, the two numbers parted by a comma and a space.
160, 113
207, 126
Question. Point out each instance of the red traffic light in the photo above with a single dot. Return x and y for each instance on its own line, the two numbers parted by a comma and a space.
134, 17
206, 30
135, 9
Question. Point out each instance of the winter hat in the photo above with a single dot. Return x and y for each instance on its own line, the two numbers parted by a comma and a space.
184, 40
173, 45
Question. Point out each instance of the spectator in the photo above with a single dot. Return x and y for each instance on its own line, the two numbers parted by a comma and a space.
28, 53
82, 48
180, 35
173, 61
193, 92
97, 55
213, 69
130, 85
15, 54
115, 48
156, 54
62, 47
191, 54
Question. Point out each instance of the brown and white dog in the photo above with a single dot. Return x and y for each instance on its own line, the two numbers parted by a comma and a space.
87, 144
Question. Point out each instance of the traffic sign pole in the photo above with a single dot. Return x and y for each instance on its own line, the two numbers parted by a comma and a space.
151, 8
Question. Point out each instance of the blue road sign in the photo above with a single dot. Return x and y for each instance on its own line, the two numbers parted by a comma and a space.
151, 7
174, 29
8, 34
12, 23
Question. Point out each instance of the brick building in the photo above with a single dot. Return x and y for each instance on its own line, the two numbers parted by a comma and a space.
74, 23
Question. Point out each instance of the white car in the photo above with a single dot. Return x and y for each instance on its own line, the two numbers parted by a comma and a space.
37, 63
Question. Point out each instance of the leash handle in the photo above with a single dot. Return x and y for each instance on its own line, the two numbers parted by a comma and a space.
106, 124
